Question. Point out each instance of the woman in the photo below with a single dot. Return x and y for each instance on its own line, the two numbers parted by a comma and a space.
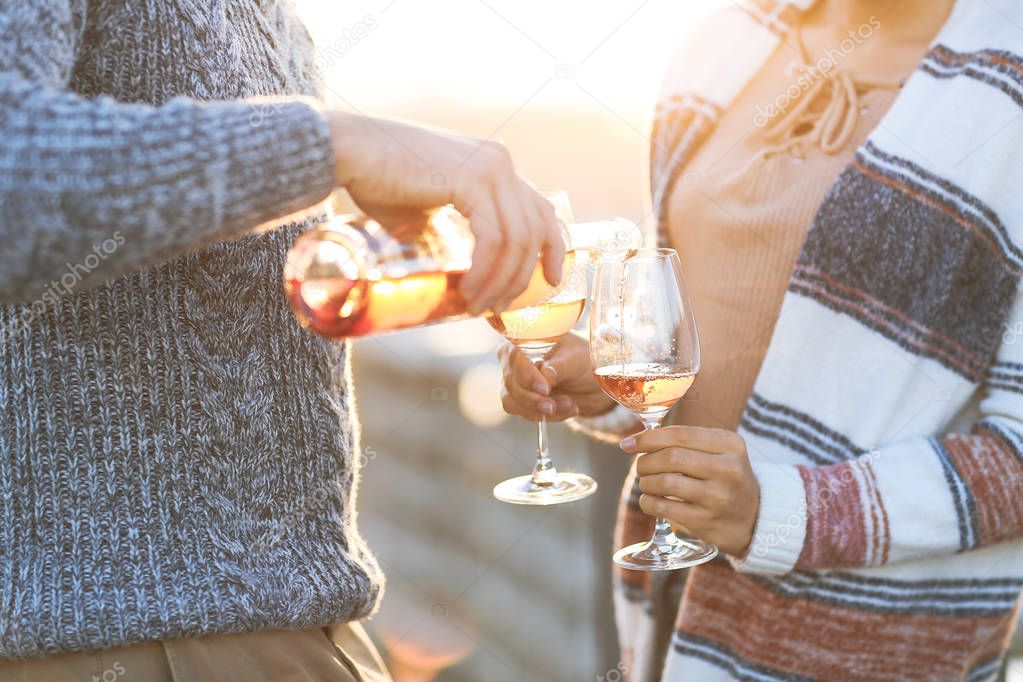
838, 179
178, 457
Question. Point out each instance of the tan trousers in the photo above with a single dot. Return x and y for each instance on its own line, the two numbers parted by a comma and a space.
341, 653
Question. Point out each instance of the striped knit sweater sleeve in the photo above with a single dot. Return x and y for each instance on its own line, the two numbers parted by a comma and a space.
886, 425
908, 499
159, 180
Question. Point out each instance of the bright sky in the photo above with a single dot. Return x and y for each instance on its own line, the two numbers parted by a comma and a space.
507, 52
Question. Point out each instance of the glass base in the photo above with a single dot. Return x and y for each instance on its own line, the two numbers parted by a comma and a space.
565, 487
668, 555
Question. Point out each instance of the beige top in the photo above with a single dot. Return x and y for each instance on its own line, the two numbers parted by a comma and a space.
741, 210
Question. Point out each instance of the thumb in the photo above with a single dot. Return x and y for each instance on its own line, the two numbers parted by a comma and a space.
569, 360
549, 372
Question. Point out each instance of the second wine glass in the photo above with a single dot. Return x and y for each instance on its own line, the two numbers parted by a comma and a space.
535, 331
645, 354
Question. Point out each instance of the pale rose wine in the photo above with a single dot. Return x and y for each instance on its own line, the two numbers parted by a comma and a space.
539, 325
644, 387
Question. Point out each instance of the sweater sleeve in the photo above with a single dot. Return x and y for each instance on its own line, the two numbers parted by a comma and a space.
922, 497
76, 173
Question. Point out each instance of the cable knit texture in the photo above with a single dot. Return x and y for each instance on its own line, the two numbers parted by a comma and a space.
177, 456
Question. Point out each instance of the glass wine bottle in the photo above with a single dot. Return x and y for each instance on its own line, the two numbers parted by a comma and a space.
352, 276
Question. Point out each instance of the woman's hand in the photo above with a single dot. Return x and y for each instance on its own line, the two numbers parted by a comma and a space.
699, 479
386, 165
564, 388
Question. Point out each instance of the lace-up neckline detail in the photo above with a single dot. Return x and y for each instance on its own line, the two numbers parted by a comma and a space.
739, 216
823, 115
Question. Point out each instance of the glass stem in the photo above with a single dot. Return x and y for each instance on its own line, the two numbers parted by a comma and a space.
663, 534
544, 472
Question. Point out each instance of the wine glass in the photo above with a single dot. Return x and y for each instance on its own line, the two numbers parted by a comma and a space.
535, 330
645, 355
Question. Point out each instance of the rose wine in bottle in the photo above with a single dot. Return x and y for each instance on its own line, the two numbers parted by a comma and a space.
341, 307
354, 276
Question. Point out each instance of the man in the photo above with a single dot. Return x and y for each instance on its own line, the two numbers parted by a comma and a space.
176, 454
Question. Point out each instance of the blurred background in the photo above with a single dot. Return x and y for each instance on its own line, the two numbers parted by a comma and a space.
477, 589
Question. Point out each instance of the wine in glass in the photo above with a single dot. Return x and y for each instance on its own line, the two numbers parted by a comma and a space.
535, 331
645, 354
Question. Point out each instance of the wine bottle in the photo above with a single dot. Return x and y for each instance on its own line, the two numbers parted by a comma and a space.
353, 275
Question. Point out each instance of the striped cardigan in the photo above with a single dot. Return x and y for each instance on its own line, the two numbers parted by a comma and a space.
886, 425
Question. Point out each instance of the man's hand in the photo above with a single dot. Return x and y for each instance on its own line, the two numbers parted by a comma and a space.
563, 388
699, 479
385, 164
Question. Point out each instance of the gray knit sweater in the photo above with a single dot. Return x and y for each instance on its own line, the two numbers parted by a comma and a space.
176, 454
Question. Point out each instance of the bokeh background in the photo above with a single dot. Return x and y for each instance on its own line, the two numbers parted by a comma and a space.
479, 590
